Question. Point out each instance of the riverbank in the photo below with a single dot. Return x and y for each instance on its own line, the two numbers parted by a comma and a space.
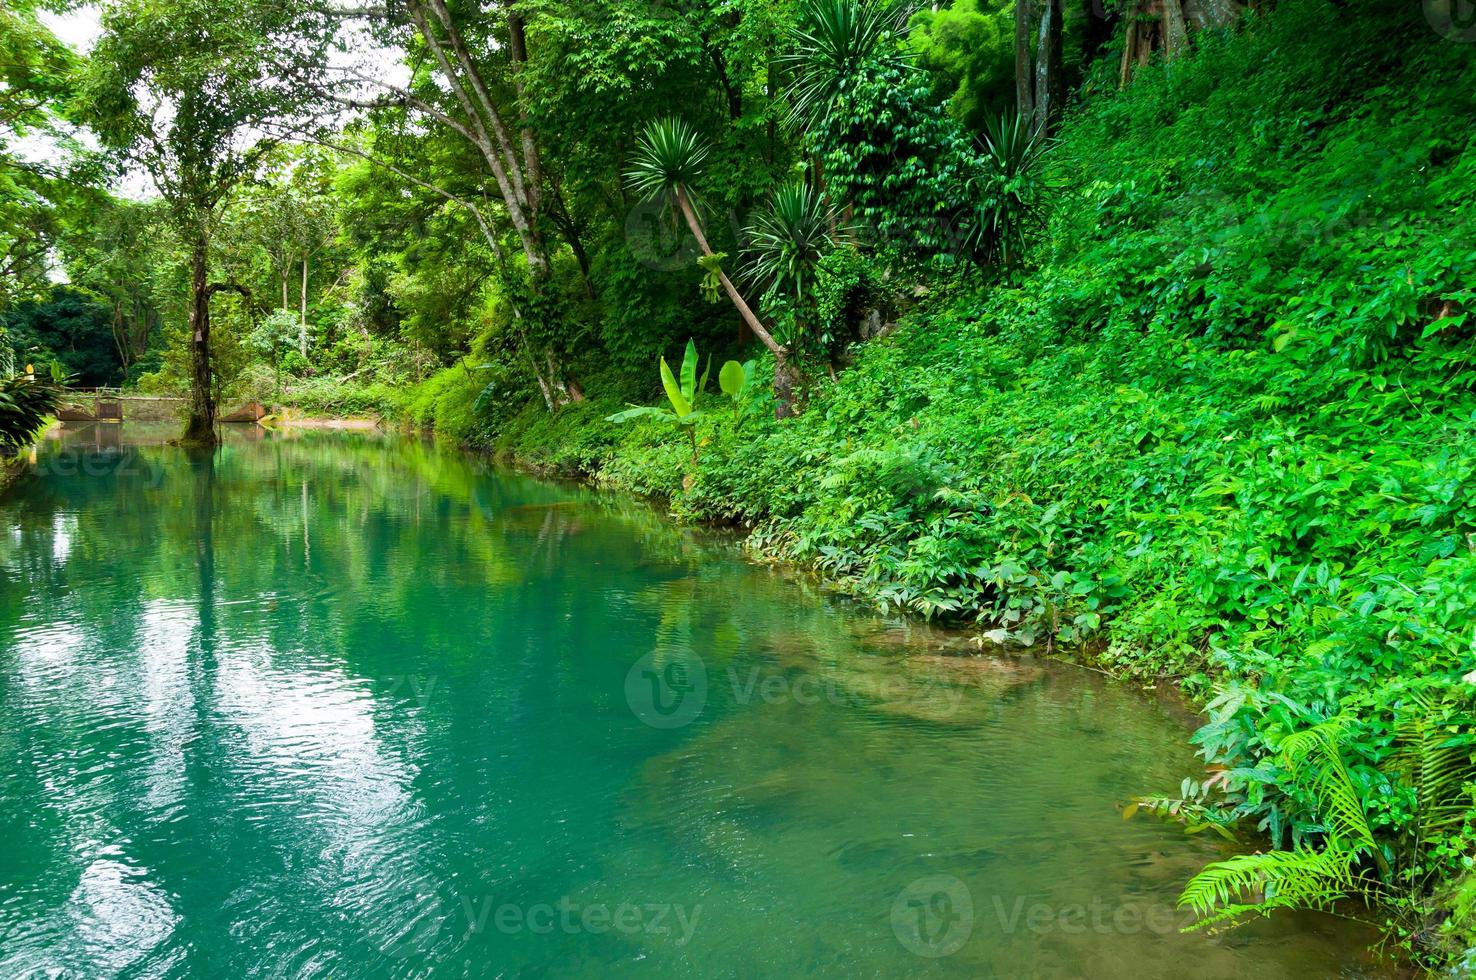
842, 769
10, 471
1218, 432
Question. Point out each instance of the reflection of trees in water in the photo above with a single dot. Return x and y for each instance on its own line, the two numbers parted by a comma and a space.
376, 523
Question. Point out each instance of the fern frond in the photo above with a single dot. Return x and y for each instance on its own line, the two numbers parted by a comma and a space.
1437, 765
1230, 889
1314, 761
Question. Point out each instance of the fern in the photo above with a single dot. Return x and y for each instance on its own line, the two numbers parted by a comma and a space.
1306, 878
1434, 758
1227, 891
1314, 762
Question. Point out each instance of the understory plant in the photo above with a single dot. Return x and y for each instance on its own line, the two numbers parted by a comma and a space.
684, 391
25, 402
1379, 811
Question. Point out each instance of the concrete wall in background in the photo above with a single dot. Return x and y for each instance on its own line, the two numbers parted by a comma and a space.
141, 409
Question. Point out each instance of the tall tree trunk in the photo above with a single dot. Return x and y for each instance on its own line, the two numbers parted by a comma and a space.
1050, 87
200, 427
283, 275
1100, 24
1137, 45
302, 323
1215, 14
1024, 79
1175, 30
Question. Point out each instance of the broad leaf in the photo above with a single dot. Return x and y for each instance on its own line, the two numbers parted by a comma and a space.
689, 374
732, 379
682, 406
641, 412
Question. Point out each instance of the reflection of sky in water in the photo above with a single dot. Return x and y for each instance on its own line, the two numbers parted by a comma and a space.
390, 686
116, 917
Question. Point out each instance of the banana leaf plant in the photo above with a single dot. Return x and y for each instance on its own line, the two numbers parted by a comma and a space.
684, 390
682, 394
735, 380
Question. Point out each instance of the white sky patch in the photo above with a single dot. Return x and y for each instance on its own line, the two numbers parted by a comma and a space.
78, 29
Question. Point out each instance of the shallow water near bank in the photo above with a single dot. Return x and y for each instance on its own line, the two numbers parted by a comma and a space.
352, 705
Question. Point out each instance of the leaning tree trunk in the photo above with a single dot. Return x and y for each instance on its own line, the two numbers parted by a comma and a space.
200, 427
749, 317
785, 376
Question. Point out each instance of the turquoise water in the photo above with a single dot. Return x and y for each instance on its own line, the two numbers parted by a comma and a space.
342, 705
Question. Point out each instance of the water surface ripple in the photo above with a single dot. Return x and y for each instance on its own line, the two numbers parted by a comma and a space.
340, 705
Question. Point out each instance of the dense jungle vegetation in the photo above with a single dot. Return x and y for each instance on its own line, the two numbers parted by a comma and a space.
1138, 331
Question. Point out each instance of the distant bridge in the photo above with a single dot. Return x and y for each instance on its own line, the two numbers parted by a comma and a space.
111, 405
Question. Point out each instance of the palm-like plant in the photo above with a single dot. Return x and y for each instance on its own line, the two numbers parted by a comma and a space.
832, 43
25, 400
669, 158
1006, 189
788, 238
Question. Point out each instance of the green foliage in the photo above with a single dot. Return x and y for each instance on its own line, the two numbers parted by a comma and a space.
682, 394
1007, 193
967, 49
712, 267
669, 157
1305, 877
833, 43
1217, 427
70, 327
788, 238
1213, 424
897, 161
25, 402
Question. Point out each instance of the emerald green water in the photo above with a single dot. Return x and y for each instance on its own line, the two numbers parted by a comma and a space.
340, 705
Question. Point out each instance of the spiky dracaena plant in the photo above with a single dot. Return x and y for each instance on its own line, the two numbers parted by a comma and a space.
831, 44
788, 238
668, 161
1006, 189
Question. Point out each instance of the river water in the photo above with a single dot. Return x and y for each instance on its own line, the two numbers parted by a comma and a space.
349, 705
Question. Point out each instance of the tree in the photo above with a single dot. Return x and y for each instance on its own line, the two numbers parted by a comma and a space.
36, 73
184, 88
124, 256
469, 80
668, 161
1040, 84
69, 327
1165, 25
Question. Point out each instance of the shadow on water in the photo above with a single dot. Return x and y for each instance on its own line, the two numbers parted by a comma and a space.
347, 704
